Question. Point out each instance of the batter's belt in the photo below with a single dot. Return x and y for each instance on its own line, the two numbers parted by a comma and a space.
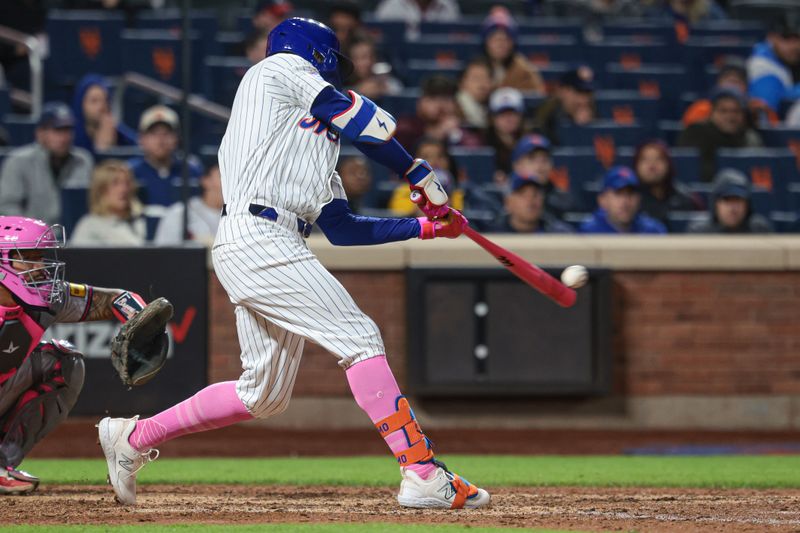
279, 216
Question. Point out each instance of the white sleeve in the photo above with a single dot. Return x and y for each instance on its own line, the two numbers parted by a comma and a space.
291, 79
337, 187
169, 228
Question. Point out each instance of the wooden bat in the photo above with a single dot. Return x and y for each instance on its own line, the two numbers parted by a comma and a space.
530, 274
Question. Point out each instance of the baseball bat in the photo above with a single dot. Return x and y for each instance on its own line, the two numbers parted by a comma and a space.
530, 274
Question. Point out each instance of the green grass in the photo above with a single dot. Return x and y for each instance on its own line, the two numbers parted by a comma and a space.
269, 528
731, 471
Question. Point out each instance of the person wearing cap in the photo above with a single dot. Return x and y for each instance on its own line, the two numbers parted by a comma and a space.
474, 88
525, 209
573, 103
730, 210
506, 126
96, 128
509, 67
726, 127
270, 13
33, 176
532, 160
159, 170
732, 73
619, 207
203, 217
774, 66
436, 116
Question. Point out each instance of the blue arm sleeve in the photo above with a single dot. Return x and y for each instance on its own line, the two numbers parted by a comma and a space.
344, 228
768, 88
330, 102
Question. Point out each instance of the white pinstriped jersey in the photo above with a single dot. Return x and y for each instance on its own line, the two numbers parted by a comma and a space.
274, 152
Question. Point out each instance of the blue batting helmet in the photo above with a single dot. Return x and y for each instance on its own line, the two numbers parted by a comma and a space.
314, 42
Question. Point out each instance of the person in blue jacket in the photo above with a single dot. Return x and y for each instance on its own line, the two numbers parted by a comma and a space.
96, 128
774, 67
619, 210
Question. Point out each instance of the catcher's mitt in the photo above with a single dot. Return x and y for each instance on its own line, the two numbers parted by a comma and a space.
139, 350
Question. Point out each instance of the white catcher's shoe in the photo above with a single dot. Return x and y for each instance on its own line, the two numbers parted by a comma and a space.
123, 460
442, 490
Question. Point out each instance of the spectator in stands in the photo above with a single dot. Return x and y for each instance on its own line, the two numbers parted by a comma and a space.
733, 74
463, 194
619, 210
356, 179
115, 213
270, 13
474, 88
96, 128
437, 116
202, 218
727, 127
730, 210
774, 66
532, 160
661, 194
507, 110
690, 12
32, 176
414, 12
344, 18
255, 46
370, 78
525, 210
509, 67
159, 170
573, 104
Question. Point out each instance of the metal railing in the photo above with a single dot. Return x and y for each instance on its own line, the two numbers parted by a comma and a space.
197, 103
33, 100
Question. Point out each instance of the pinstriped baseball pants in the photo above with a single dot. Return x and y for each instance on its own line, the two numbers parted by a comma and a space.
283, 295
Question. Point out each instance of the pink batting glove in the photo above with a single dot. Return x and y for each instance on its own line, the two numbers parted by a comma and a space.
451, 225
431, 210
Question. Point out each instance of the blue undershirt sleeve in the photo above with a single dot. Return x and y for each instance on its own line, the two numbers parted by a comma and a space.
344, 228
330, 102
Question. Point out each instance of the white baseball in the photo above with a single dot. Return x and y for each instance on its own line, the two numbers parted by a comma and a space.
575, 276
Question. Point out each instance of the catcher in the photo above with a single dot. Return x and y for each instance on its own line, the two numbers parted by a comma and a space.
40, 381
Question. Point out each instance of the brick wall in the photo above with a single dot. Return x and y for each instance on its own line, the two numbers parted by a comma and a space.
694, 333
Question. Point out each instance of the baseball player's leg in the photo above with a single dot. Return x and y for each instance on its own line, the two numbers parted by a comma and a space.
44, 389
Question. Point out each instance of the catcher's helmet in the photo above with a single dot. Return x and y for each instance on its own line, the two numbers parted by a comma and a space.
314, 42
34, 282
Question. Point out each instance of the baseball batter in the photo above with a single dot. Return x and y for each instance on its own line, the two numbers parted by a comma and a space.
277, 161
40, 381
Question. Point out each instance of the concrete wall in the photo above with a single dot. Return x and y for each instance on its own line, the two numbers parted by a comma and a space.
706, 333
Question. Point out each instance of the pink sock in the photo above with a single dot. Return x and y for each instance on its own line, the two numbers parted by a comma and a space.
376, 392
216, 406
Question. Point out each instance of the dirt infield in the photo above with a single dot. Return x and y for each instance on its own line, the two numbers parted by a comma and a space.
564, 508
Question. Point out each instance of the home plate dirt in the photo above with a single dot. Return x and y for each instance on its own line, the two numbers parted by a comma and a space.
561, 507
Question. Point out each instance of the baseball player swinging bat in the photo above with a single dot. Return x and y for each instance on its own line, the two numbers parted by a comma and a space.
527, 272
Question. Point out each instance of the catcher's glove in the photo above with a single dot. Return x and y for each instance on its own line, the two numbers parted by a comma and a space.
140, 348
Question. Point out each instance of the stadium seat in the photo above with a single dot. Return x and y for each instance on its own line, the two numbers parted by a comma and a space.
477, 162
443, 49
547, 49
654, 81
702, 52
204, 23
627, 107
640, 31
83, 42
20, 129
628, 53
772, 169
224, 74
74, 204
731, 30
419, 69
602, 131
781, 137
541, 27
669, 131
401, 104
157, 53
577, 169
5, 103
678, 221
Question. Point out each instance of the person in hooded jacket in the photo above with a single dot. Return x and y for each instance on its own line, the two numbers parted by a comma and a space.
509, 67
731, 210
661, 193
96, 128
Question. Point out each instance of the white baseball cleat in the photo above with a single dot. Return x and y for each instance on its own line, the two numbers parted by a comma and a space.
442, 490
123, 460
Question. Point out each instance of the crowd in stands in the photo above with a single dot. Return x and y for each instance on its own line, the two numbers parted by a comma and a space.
498, 104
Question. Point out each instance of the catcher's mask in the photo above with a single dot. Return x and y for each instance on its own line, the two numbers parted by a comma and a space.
29, 266
314, 42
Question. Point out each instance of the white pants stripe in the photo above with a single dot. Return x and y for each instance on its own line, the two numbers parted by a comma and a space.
284, 295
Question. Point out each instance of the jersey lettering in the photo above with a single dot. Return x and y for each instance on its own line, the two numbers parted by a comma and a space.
311, 123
